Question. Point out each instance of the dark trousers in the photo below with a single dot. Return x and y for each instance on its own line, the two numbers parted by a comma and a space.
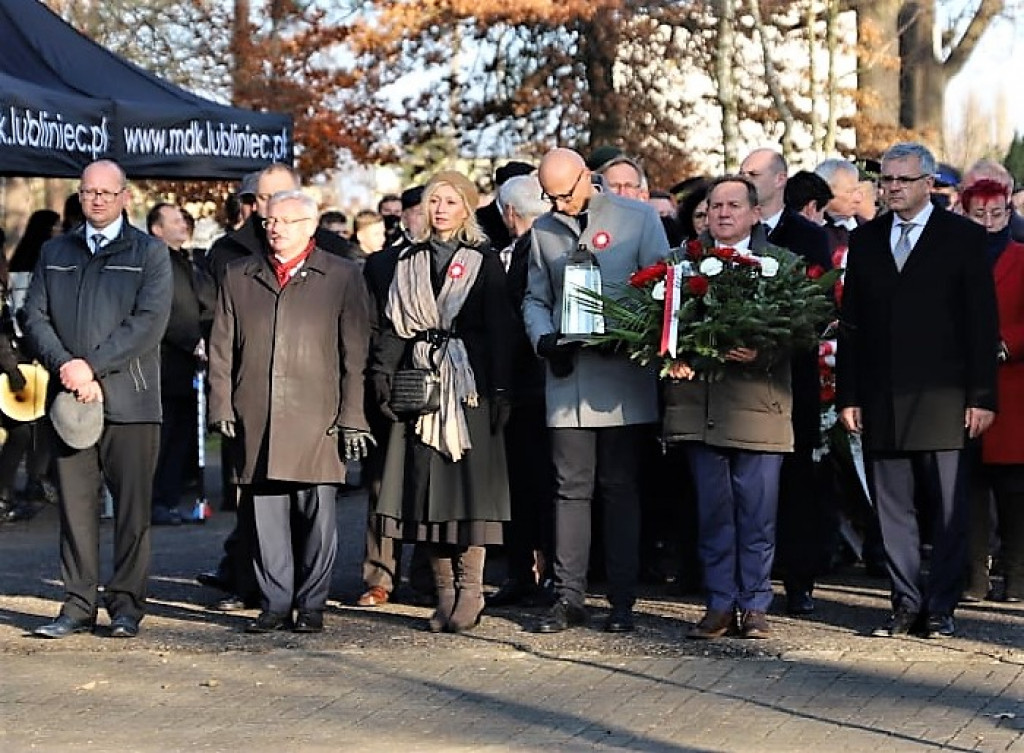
737, 499
178, 438
941, 482
125, 457
19, 439
531, 484
1005, 485
297, 536
609, 458
807, 521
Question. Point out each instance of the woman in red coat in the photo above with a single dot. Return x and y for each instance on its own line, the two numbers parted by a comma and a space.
1002, 470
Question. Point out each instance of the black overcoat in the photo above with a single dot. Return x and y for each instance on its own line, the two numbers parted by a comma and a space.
918, 347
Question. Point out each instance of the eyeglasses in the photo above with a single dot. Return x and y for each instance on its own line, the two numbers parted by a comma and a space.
624, 186
269, 222
901, 180
995, 214
554, 198
90, 194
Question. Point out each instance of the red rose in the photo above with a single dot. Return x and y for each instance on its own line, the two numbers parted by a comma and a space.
648, 275
839, 257
745, 261
725, 253
815, 271
694, 250
828, 393
698, 286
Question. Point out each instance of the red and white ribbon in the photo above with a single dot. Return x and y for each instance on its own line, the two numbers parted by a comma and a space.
673, 300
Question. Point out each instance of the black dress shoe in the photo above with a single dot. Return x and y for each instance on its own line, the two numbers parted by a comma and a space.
234, 603
64, 626
513, 591
309, 622
562, 616
269, 622
124, 626
902, 622
941, 625
215, 579
620, 621
799, 602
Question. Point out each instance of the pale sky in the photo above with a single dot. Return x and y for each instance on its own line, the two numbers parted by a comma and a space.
993, 68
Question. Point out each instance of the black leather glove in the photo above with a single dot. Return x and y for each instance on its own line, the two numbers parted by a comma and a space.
382, 396
355, 443
558, 355
16, 380
501, 409
226, 428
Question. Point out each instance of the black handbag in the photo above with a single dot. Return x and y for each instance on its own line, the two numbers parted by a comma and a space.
417, 391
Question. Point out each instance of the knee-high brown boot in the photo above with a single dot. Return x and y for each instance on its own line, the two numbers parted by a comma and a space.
444, 580
469, 585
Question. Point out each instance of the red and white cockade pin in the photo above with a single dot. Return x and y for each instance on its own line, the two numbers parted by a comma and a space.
602, 240
456, 270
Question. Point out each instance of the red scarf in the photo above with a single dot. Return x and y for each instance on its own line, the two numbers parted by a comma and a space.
285, 270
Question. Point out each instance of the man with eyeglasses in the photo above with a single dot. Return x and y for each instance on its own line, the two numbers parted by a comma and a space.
234, 574
287, 353
916, 377
599, 405
95, 312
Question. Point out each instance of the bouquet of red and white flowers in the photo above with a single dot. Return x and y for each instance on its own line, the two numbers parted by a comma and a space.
703, 301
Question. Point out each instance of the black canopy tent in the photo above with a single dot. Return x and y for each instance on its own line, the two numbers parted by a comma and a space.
66, 101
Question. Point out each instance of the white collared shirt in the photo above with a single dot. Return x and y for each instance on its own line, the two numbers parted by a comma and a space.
919, 220
741, 246
109, 233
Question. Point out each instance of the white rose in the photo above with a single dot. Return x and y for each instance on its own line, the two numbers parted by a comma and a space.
711, 266
769, 266
658, 291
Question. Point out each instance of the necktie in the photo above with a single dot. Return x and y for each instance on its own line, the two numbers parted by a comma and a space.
903, 247
506, 256
97, 242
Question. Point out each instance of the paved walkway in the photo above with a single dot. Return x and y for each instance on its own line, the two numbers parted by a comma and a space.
377, 681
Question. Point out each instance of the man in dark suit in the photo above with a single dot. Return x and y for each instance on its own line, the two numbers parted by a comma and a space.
916, 374
530, 532
842, 212
805, 516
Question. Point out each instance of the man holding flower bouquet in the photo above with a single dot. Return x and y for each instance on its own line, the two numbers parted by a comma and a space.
736, 423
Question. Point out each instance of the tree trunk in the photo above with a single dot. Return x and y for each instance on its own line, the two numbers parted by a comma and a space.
241, 49
725, 56
878, 74
927, 71
771, 78
599, 45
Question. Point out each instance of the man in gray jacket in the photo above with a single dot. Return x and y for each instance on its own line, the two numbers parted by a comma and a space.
96, 311
597, 403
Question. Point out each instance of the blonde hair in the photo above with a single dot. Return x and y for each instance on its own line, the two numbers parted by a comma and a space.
469, 233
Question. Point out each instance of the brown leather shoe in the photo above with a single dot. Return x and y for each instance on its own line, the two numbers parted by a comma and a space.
714, 624
375, 596
755, 625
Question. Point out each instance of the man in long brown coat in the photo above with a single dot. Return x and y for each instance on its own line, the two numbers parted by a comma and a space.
287, 353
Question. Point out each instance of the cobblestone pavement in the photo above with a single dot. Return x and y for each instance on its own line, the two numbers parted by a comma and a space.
376, 680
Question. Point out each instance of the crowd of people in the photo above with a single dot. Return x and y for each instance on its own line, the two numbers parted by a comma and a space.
432, 341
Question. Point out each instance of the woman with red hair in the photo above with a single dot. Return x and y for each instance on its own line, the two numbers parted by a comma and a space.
1001, 472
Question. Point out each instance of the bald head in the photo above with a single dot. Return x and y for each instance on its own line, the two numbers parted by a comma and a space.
565, 179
